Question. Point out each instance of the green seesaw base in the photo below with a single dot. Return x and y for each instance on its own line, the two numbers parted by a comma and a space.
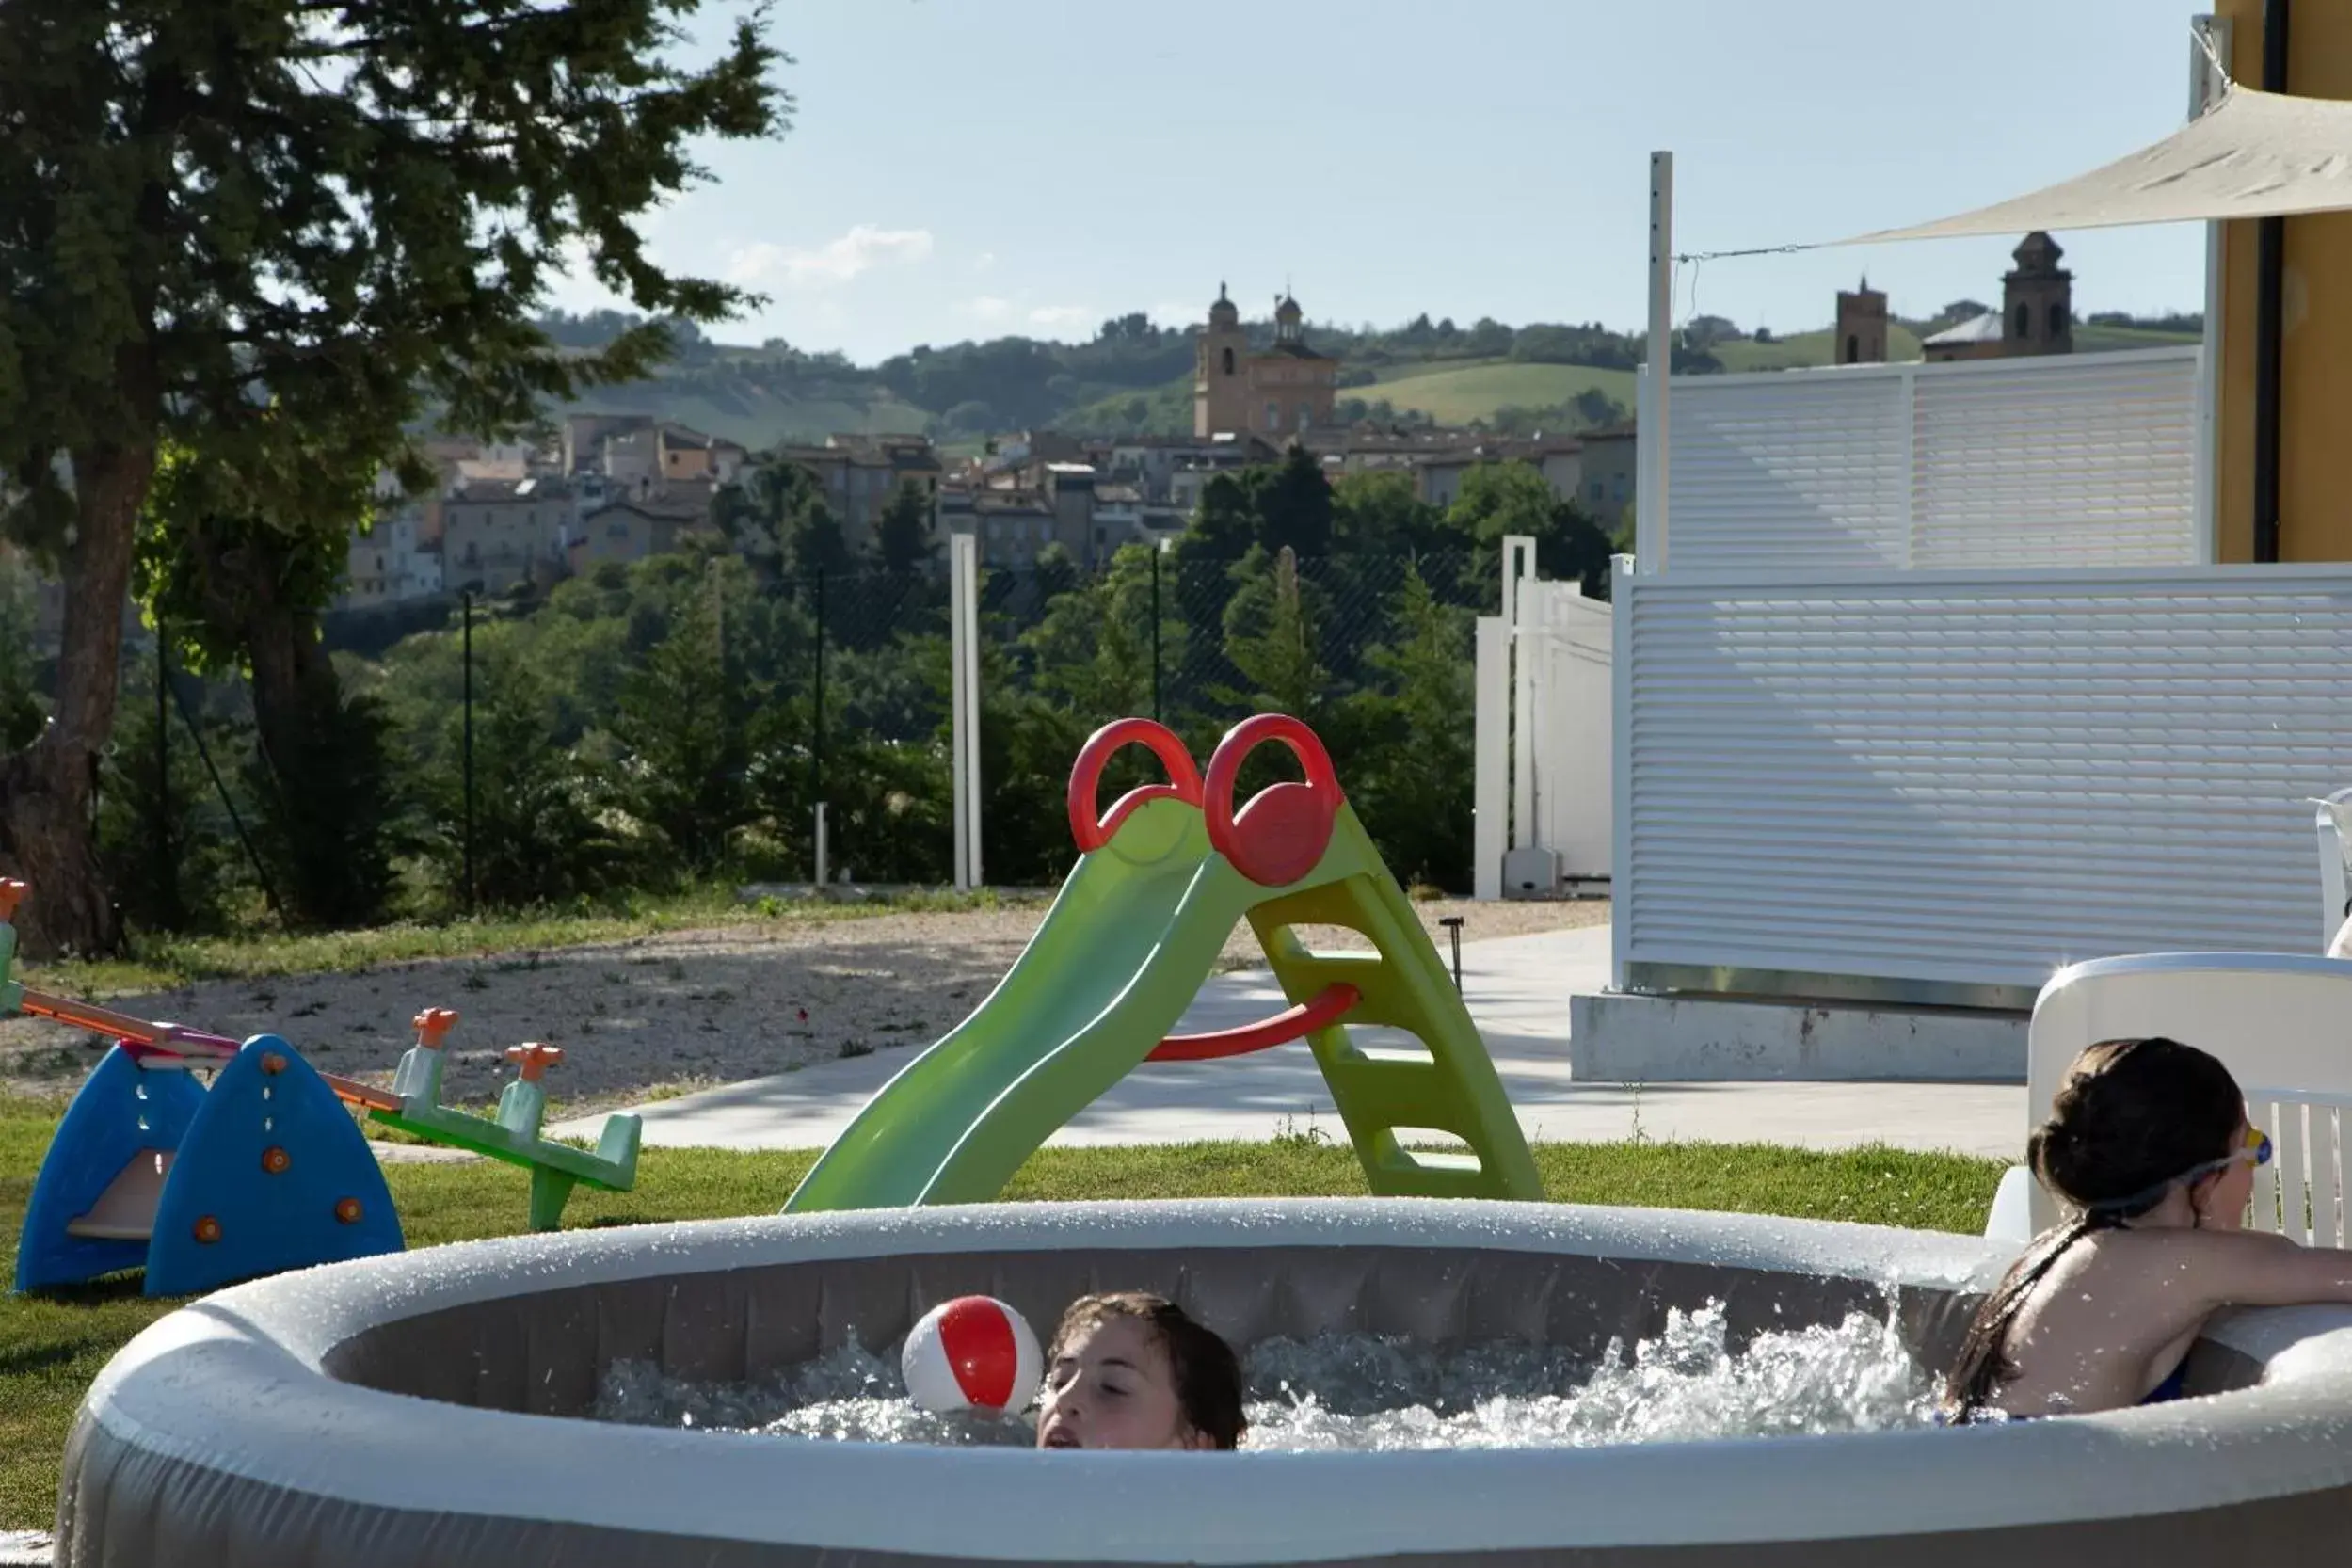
514, 1137
554, 1168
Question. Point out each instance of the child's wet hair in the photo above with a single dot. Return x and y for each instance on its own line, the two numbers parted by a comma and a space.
1207, 1373
2130, 1117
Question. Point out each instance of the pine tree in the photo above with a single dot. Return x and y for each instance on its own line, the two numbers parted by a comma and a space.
538, 835
682, 734
1270, 638
1411, 761
903, 534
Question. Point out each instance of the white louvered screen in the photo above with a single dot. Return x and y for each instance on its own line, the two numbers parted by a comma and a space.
1972, 778
1796, 469
2065, 461
2074, 460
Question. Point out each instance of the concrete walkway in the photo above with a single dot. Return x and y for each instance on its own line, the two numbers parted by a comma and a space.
1519, 989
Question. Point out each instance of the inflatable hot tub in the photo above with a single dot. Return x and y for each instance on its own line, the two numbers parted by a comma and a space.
407, 1411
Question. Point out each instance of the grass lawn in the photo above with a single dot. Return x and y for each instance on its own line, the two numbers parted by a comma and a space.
165, 962
51, 1348
1458, 392
2090, 339
1801, 349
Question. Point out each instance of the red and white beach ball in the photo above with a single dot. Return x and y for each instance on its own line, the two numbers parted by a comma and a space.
973, 1352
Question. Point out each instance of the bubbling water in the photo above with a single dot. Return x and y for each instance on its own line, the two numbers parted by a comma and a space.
1361, 1392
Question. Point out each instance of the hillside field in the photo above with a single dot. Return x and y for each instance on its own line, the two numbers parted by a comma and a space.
1456, 393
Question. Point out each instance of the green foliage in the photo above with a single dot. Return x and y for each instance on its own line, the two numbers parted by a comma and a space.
541, 835
164, 836
778, 518
21, 711
1499, 499
260, 244
334, 814
1419, 722
1270, 637
1092, 647
682, 735
902, 532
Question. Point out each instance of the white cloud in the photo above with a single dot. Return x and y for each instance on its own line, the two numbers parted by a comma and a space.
982, 261
1165, 314
835, 262
1062, 318
987, 307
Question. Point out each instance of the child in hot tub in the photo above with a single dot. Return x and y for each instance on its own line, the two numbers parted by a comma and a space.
2147, 1142
1132, 1370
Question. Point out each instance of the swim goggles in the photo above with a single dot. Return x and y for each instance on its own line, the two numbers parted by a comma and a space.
2255, 1149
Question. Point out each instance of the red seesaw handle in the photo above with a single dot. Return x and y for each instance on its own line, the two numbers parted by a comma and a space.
1281, 833
1091, 832
1328, 1007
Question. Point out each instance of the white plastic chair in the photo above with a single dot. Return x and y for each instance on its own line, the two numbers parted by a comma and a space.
2281, 1022
2334, 821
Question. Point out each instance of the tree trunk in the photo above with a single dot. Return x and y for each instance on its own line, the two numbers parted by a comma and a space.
297, 702
46, 790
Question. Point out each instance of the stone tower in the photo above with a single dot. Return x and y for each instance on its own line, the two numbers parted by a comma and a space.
1221, 386
2037, 300
1861, 325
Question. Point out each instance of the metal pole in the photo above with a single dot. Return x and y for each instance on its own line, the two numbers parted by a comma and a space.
816, 726
1650, 529
1157, 551
167, 877
468, 656
1454, 929
959, 732
2209, 79
2270, 264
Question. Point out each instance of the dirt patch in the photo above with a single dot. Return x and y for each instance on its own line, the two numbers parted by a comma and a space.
675, 1010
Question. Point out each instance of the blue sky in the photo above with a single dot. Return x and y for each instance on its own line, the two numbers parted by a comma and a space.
972, 167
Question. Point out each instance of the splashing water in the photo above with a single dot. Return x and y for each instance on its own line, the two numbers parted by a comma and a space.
1360, 1392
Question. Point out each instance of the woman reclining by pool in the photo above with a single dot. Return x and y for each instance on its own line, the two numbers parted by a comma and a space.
2147, 1142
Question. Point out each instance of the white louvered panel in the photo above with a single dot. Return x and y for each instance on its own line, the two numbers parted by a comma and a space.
2063, 460
1802, 468
1976, 778
2067, 461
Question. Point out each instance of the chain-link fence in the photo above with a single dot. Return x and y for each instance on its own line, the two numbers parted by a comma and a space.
1372, 650
683, 719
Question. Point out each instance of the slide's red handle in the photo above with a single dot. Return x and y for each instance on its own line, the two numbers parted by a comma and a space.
1092, 832
1281, 833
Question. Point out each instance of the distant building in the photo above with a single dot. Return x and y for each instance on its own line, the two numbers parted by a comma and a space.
631, 529
860, 474
1282, 390
2037, 314
498, 534
392, 561
1861, 325
1977, 338
1607, 473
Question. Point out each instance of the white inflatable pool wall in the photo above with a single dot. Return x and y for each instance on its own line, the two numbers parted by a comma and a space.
241, 1431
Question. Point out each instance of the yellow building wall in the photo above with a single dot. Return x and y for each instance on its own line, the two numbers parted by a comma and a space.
2316, 374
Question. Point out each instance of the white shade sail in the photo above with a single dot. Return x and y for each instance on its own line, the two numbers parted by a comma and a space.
2253, 155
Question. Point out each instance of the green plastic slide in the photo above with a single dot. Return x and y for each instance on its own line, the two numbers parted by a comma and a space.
1135, 931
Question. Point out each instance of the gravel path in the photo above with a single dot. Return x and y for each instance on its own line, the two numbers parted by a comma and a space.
672, 1012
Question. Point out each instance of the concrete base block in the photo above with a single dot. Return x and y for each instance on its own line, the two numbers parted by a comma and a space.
1619, 1037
